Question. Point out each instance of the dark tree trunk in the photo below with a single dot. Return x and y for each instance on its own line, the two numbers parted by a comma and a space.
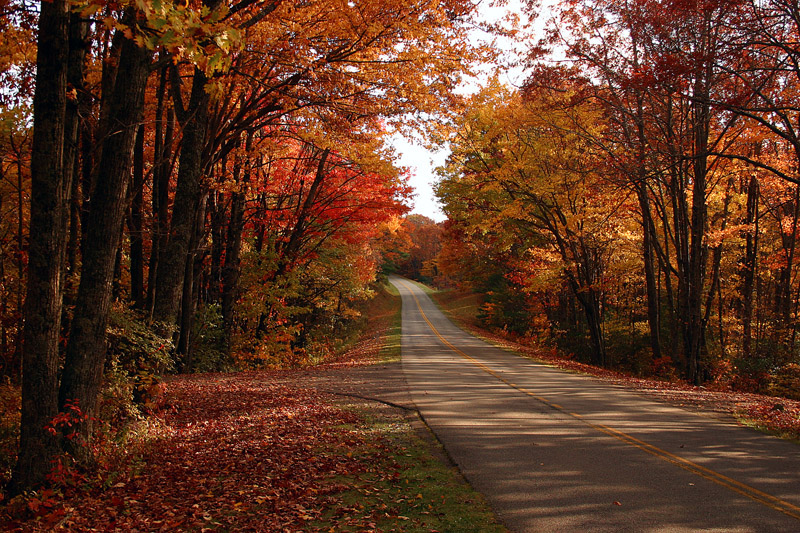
85, 353
233, 250
160, 195
78, 45
192, 270
48, 236
590, 301
218, 215
694, 328
653, 303
748, 267
20, 266
135, 222
172, 262
783, 291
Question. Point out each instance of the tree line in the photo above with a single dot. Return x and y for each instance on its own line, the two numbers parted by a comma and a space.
637, 199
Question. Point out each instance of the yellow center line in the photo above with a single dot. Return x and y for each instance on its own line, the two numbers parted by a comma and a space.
690, 466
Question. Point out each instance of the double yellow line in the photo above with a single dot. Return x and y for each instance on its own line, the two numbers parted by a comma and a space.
740, 488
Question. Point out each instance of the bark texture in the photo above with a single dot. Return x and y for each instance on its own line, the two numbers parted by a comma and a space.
85, 354
49, 193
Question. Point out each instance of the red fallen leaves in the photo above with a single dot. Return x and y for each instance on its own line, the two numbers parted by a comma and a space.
240, 453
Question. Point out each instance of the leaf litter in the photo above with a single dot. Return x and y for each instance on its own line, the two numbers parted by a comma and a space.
238, 452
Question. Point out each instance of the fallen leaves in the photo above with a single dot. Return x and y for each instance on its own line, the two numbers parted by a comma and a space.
241, 453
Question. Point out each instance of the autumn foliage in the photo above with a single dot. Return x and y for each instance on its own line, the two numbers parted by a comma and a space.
636, 203
204, 181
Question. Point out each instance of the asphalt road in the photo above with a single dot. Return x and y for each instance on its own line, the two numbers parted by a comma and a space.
555, 451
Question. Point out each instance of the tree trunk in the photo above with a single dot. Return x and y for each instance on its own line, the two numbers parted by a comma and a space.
42, 312
135, 222
233, 250
85, 353
748, 268
188, 303
694, 332
653, 303
75, 82
172, 263
783, 293
218, 214
160, 194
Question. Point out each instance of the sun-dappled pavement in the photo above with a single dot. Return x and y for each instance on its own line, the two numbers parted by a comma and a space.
559, 451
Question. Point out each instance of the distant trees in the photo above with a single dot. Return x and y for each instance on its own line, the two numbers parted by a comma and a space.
412, 247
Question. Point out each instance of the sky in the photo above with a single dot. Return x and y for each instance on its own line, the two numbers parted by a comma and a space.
423, 162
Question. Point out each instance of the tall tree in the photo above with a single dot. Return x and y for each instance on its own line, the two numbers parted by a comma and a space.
85, 352
536, 185
49, 194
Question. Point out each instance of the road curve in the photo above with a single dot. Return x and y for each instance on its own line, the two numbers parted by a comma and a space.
554, 451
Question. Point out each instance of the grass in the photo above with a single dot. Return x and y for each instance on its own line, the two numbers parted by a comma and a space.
405, 487
460, 305
390, 340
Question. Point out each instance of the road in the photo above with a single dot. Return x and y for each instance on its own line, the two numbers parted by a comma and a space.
557, 451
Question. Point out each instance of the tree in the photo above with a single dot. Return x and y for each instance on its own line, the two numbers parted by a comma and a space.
49, 198
657, 67
536, 186
423, 238
85, 352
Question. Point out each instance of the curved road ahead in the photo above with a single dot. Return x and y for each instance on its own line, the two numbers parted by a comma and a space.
554, 451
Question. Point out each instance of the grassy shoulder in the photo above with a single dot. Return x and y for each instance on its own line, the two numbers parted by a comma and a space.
389, 305
403, 486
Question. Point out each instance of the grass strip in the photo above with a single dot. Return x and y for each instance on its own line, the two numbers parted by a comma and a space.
404, 486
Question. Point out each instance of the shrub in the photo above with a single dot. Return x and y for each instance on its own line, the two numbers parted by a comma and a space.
137, 358
209, 353
786, 382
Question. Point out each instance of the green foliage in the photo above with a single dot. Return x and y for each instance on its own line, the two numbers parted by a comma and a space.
628, 346
756, 373
138, 355
504, 307
786, 382
209, 353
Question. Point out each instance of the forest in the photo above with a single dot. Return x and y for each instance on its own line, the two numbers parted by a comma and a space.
204, 186
635, 203
198, 186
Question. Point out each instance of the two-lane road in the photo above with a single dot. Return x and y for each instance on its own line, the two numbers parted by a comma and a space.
554, 451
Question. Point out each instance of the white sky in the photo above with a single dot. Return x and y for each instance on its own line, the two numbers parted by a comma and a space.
422, 161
